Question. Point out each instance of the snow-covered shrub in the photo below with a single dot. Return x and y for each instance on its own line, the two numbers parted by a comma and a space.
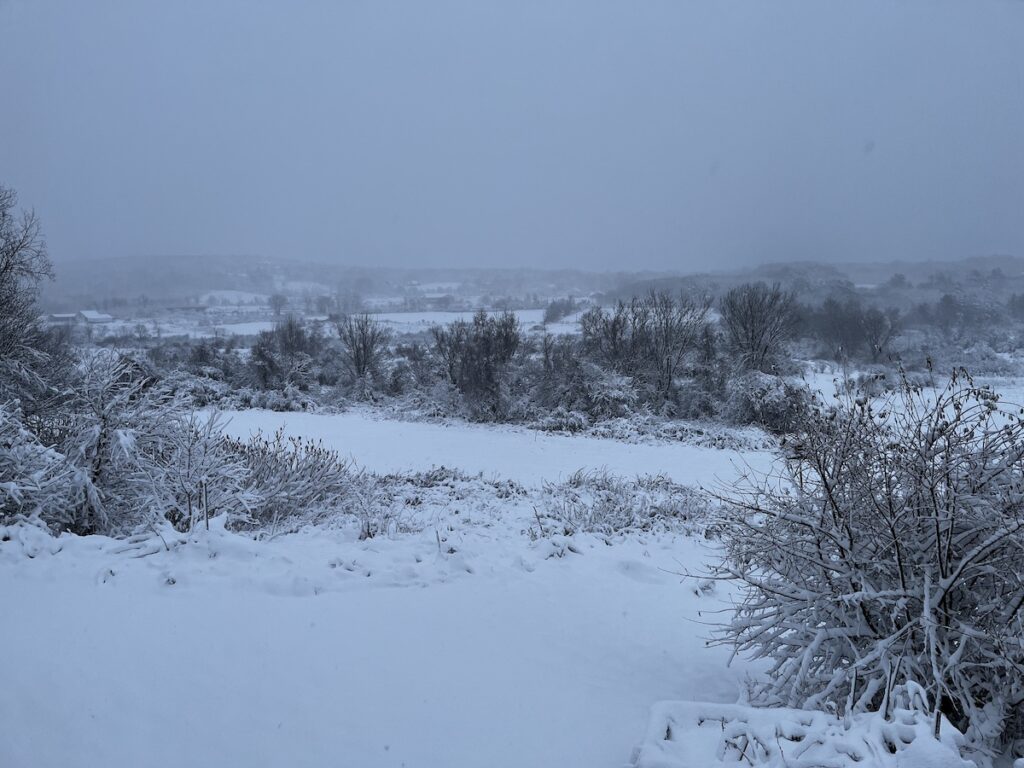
769, 401
379, 513
562, 420
694, 400
599, 502
873, 383
116, 434
687, 734
201, 391
290, 399
123, 452
285, 356
890, 548
649, 339
475, 357
608, 394
651, 428
290, 478
199, 476
400, 378
567, 381
35, 480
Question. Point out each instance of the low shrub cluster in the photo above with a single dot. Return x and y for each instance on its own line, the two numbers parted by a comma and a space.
605, 504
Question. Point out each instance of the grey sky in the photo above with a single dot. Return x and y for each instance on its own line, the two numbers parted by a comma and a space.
661, 134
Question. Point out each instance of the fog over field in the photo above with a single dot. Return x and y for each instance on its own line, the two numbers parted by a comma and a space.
512, 384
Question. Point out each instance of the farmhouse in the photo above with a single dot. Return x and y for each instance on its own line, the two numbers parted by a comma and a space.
92, 317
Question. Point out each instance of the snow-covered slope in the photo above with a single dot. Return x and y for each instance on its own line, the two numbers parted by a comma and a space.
318, 650
462, 640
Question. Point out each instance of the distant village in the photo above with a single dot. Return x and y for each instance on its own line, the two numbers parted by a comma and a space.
82, 317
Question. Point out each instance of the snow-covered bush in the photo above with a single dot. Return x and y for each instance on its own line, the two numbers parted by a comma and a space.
769, 401
126, 452
199, 476
566, 381
290, 478
35, 480
117, 435
202, 391
687, 734
475, 357
286, 356
290, 399
562, 420
649, 339
599, 502
651, 428
890, 548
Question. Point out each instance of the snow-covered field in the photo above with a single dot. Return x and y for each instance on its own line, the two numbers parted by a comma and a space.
461, 642
234, 320
515, 453
416, 322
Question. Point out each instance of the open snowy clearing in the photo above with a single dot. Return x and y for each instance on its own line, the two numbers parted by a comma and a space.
514, 453
464, 642
529, 660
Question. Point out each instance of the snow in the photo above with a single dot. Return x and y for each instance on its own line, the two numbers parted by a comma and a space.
275, 658
460, 642
417, 322
686, 734
515, 453
567, 326
247, 329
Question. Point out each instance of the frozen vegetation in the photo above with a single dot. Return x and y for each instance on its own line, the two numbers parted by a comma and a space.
666, 529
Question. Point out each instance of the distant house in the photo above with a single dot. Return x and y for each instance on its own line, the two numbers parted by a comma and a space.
68, 318
92, 317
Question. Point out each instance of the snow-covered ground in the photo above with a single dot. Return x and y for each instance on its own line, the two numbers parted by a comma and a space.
416, 322
515, 453
247, 329
461, 642
323, 651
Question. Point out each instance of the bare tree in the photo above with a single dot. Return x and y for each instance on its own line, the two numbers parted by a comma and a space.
475, 356
648, 338
278, 301
363, 342
674, 328
758, 321
879, 328
839, 324
24, 264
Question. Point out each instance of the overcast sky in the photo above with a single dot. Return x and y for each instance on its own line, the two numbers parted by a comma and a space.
642, 133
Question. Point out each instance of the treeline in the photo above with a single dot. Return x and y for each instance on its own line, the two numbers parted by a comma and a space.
675, 356
655, 354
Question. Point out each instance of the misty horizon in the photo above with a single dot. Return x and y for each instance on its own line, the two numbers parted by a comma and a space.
596, 136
